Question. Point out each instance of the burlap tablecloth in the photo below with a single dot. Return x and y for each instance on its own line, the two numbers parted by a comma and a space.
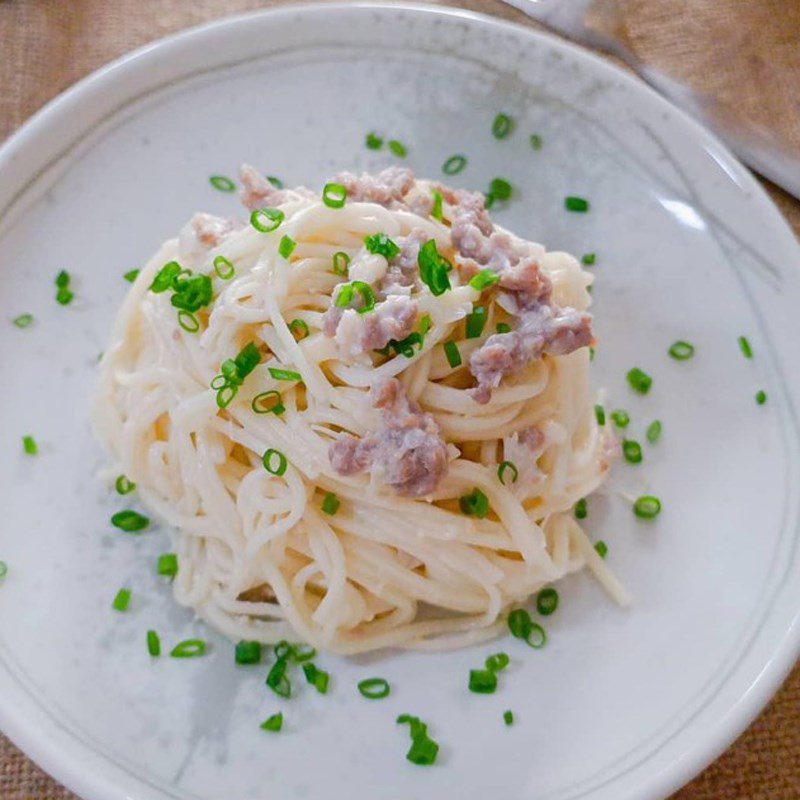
46, 45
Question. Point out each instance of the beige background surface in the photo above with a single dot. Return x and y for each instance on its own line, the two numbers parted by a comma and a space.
46, 45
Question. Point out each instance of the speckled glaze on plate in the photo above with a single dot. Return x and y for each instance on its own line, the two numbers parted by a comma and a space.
620, 704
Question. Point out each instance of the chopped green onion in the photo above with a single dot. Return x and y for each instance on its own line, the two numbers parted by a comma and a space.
380, 244
588, 259
23, 320
192, 293
340, 263
536, 141
600, 414
302, 652
188, 321
433, 268
761, 397
601, 548
3, 570
497, 662
62, 279
508, 717
273, 724
501, 126
64, 297
330, 503
190, 648
639, 381
436, 210
484, 279
286, 246
153, 644
277, 680
500, 189
373, 141
474, 504
334, 195
454, 165
581, 512
165, 276
452, 354
374, 688
425, 323
681, 351
226, 392
299, 329
591, 354
168, 565
221, 183
266, 220
653, 431
122, 600
482, 681
502, 327
224, 268
318, 678
547, 601
283, 650
270, 465
744, 346
578, 204
131, 275
397, 148
347, 291
123, 485
259, 403
284, 374
248, 652
632, 451
276, 182
130, 521
423, 749
647, 507
29, 445
475, 322
621, 418
501, 471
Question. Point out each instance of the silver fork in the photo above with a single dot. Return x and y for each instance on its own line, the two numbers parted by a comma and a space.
599, 24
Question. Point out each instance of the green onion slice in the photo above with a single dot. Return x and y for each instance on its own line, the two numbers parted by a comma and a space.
452, 354
167, 565
122, 600
581, 511
273, 724
474, 504
130, 521
454, 164
131, 275
340, 263
277, 680
588, 259
601, 548
503, 468
23, 320
381, 244
266, 220
123, 485
330, 503
373, 141
621, 418
577, 204
188, 321
374, 688
29, 445
501, 126
500, 189
536, 141
299, 328
761, 397
647, 507
334, 195
284, 374
502, 327
221, 183
189, 648
398, 148
744, 346
482, 681
433, 268
600, 414
484, 279
224, 268
286, 246
508, 717
639, 381
248, 652
653, 431
153, 644
547, 601
475, 322
165, 276
497, 662
436, 210
681, 351
347, 292
318, 678
632, 451
274, 462
268, 403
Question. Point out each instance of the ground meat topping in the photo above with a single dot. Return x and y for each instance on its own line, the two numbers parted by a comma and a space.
407, 448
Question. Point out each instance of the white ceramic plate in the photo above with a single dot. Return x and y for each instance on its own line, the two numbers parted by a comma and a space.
620, 704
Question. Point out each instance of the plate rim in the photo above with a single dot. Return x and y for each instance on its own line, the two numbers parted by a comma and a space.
66, 760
